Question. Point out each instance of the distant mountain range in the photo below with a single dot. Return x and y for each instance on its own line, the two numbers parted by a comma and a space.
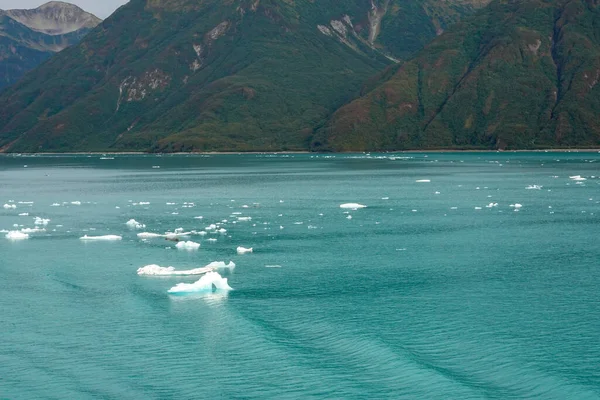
327, 75
29, 37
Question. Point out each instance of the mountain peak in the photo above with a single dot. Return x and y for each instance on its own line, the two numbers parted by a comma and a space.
55, 18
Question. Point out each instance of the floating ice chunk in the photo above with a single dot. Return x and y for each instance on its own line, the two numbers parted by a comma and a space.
534, 187
244, 218
188, 246
478, 208
222, 231
423, 181
33, 230
516, 205
437, 193
9, 206
385, 198
144, 203
17, 235
24, 215
210, 281
491, 205
101, 238
26, 202
349, 217
149, 235
55, 205
76, 203
133, 224
273, 266
243, 250
212, 240
199, 217
352, 206
577, 178
41, 221
176, 234
202, 233
157, 270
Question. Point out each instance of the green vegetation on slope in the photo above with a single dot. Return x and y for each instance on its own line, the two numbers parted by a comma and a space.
189, 75
518, 75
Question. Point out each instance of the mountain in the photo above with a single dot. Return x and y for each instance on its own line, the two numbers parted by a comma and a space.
517, 75
29, 37
238, 75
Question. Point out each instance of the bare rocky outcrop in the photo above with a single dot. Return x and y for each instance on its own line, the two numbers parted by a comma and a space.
55, 18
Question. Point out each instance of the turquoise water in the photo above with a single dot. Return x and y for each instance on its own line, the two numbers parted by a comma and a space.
419, 295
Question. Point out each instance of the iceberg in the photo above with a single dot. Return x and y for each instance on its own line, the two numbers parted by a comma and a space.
41, 221
156, 270
188, 246
133, 224
149, 235
101, 238
243, 250
9, 206
16, 235
211, 280
352, 206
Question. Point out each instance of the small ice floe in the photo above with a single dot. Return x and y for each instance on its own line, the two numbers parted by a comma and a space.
244, 218
534, 187
222, 231
199, 217
33, 230
144, 203
76, 203
101, 238
149, 235
385, 198
423, 181
243, 250
478, 208
437, 193
55, 205
202, 233
492, 205
133, 224
156, 166
273, 266
10, 206
349, 217
26, 202
178, 233
209, 282
516, 206
577, 178
24, 215
41, 221
352, 206
212, 240
17, 235
190, 246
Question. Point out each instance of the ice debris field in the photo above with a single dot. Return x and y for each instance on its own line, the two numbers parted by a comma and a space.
35, 221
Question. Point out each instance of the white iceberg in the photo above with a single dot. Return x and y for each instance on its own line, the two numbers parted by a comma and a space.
352, 206
133, 224
149, 235
188, 246
101, 238
16, 235
33, 230
157, 270
243, 250
211, 280
41, 221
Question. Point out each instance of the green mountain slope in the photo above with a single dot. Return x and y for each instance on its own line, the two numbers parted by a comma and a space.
519, 74
183, 75
29, 37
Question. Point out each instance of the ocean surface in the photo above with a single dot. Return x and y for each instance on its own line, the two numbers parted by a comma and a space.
466, 276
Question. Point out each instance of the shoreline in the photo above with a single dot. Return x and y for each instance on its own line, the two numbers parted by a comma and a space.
209, 153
